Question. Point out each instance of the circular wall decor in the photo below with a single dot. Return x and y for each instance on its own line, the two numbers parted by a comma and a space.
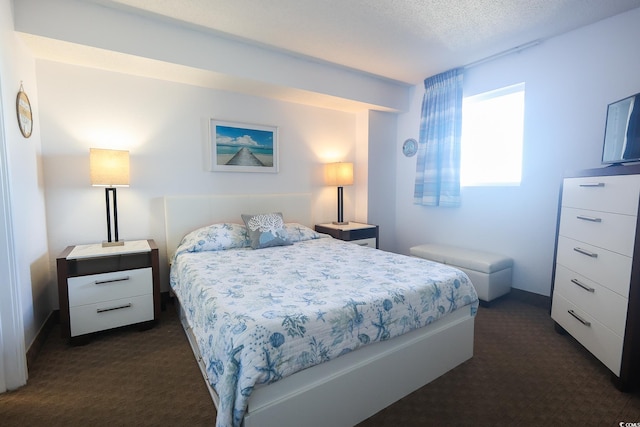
23, 109
410, 147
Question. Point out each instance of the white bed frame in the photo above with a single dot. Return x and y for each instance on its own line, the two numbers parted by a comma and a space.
352, 387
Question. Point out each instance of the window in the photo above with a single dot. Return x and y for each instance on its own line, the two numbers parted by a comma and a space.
492, 133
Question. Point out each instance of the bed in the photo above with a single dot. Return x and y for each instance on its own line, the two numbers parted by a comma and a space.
310, 330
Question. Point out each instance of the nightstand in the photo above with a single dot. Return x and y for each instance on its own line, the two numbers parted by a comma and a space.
105, 288
355, 232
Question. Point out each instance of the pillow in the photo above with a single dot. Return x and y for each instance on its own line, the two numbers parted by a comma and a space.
298, 232
266, 230
215, 237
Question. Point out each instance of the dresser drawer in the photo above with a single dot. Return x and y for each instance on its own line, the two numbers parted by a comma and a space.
109, 286
615, 232
110, 314
607, 268
595, 337
618, 194
371, 243
605, 306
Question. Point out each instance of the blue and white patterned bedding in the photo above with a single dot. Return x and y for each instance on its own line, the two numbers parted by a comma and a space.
261, 315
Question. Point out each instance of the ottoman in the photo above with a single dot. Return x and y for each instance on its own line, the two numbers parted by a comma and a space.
490, 273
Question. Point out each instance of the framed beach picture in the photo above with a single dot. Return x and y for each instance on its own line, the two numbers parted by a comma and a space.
242, 147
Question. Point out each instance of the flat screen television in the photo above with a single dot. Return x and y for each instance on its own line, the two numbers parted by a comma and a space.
622, 131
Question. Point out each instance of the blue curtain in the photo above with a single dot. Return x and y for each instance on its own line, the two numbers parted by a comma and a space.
438, 162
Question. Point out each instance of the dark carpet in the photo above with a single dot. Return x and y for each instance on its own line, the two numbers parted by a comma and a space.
522, 374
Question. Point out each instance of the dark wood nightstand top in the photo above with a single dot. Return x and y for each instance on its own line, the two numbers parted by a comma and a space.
350, 232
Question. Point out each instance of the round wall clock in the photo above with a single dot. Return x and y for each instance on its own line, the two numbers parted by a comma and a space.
410, 147
23, 109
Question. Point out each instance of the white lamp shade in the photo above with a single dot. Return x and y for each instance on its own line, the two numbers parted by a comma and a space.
338, 174
109, 168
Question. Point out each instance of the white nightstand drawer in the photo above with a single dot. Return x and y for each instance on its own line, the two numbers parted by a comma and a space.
371, 243
607, 268
108, 286
618, 194
110, 314
596, 338
605, 306
615, 232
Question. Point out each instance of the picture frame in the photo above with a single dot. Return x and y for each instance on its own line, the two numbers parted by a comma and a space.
243, 147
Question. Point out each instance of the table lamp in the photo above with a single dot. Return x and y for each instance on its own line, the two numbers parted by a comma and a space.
339, 174
110, 169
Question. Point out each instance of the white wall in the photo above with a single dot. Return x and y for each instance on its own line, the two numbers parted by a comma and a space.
382, 175
164, 125
25, 185
569, 81
226, 63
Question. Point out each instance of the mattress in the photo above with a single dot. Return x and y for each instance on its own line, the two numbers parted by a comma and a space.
259, 315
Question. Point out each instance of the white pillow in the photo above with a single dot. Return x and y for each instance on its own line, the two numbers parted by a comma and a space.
215, 237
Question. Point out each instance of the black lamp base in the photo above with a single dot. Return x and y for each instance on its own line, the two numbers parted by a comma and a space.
112, 191
340, 220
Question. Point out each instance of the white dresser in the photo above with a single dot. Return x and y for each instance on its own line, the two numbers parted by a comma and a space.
596, 279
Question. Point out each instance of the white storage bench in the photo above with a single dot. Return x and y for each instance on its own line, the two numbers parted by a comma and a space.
490, 273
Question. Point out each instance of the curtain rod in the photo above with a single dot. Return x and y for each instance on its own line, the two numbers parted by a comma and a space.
503, 53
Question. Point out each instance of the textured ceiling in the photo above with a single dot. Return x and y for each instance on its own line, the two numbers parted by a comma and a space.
404, 40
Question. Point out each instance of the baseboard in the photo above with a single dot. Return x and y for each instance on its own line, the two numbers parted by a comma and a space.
41, 337
538, 300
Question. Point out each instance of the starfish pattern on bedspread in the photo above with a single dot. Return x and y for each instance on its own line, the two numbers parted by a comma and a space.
261, 315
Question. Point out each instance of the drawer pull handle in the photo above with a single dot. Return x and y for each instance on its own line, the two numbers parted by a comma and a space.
363, 244
586, 252
102, 310
102, 282
589, 218
583, 286
592, 184
580, 319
